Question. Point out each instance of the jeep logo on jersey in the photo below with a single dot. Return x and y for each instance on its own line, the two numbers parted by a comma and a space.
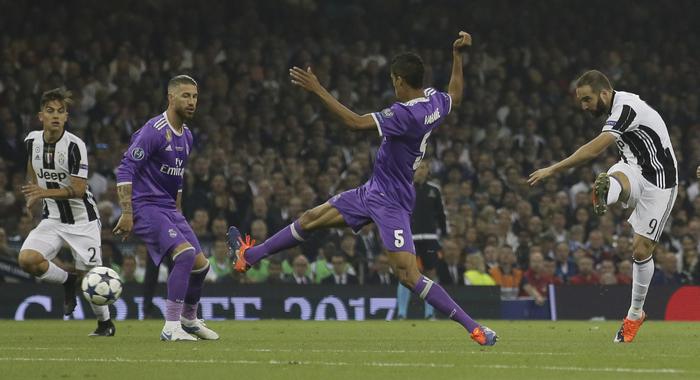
137, 154
51, 176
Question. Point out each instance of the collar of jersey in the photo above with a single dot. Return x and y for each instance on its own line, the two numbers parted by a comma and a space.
59, 137
612, 103
165, 115
416, 100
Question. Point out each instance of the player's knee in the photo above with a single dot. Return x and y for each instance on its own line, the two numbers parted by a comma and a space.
307, 219
200, 263
29, 261
184, 253
642, 249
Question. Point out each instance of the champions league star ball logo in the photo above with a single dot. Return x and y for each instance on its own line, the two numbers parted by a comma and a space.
61, 158
387, 112
172, 233
137, 154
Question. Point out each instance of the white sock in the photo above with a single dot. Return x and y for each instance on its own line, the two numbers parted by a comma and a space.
641, 278
172, 325
614, 191
101, 312
54, 275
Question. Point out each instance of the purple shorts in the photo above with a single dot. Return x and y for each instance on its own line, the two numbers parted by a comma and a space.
361, 206
162, 230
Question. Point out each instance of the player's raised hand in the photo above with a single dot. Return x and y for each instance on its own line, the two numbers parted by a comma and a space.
124, 226
464, 40
305, 79
540, 175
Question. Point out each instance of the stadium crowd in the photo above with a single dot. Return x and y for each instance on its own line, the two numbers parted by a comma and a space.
266, 151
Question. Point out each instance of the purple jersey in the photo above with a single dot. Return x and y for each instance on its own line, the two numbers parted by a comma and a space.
155, 162
405, 128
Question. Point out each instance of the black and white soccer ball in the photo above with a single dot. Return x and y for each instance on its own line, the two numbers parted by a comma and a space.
102, 286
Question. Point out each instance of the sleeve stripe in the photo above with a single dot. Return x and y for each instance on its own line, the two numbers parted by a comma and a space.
449, 108
73, 158
123, 183
376, 121
626, 117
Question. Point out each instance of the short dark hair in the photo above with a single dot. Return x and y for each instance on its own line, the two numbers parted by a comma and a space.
181, 79
409, 66
594, 78
57, 94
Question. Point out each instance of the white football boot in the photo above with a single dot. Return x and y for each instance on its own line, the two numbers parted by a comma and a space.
199, 328
175, 334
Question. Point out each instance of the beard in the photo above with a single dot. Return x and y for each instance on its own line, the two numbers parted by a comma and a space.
600, 108
184, 115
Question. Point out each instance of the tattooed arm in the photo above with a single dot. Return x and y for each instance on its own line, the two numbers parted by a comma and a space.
126, 220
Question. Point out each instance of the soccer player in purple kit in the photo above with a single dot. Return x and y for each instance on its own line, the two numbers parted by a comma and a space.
150, 177
388, 197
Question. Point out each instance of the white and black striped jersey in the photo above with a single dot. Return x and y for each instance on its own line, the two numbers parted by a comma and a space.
54, 164
643, 139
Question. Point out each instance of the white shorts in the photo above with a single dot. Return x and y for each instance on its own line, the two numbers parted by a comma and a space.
651, 205
83, 239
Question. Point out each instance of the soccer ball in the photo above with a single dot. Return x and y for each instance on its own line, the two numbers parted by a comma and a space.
101, 286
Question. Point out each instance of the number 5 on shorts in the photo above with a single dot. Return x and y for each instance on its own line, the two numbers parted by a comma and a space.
398, 236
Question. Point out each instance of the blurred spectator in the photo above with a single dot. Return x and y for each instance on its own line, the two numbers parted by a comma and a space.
667, 271
535, 280
219, 262
565, 264
381, 275
450, 269
5, 251
340, 275
274, 271
128, 273
300, 266
506, 275
476, 271
586, 275
624, 275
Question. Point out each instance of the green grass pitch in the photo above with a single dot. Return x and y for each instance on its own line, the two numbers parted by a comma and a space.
349, 350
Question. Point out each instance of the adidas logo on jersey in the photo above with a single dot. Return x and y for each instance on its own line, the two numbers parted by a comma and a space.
169, 148
51, 176
430, 119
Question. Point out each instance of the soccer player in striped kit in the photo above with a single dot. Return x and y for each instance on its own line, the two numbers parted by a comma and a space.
645, 179
57, 170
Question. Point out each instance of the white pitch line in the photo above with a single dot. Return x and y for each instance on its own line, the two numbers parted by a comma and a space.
344, 351
214, 361
587, 369
441, 352
366, 364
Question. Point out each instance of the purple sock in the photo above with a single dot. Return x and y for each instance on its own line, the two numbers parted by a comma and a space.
194, 292
435, 295
173, 310
288, 237
178, 282
190, 311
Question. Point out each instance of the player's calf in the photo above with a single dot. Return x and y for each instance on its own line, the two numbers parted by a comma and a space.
33, 262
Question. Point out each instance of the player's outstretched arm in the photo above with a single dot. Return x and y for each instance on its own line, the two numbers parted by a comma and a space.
584, 154
456, 86
308, 81
126, 220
